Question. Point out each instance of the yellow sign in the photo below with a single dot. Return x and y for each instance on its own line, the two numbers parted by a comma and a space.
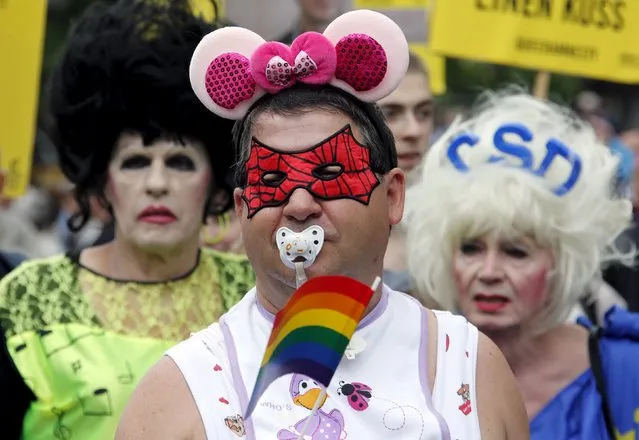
206, 9
22, 25
589, 38
435, 64
392, 4
413, 17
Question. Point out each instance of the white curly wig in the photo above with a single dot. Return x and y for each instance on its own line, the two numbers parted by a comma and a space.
448, 206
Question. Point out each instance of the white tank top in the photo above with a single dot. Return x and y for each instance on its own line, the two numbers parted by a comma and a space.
380, 393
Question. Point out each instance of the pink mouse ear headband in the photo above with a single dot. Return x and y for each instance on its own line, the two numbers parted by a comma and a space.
362, 52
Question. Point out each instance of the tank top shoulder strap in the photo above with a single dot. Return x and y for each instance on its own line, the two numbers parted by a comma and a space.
454, 392
203, 361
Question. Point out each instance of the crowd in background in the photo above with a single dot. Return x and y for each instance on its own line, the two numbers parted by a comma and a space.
39, 217
37, 224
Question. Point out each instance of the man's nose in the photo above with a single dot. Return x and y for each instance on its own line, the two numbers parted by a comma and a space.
411, 127
301, 206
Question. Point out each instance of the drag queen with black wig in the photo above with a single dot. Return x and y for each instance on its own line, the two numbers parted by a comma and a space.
79, 331
513, 219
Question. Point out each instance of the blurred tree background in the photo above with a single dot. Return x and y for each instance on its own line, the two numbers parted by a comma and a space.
465, 79
60, 16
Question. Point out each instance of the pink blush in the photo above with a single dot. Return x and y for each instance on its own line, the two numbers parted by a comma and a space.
461, 282
534, 288
111, 189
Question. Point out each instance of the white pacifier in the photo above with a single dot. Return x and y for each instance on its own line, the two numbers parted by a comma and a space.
298, 250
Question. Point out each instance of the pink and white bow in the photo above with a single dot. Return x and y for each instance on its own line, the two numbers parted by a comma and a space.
362, 52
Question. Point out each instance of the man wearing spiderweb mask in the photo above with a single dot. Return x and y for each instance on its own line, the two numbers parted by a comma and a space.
318, 191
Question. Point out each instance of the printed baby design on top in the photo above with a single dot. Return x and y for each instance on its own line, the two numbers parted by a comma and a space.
236, 425
464, 392
322, 426
393, 416
357, 394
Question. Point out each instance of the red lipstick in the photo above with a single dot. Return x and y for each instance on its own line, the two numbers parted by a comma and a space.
157, 215
490, 303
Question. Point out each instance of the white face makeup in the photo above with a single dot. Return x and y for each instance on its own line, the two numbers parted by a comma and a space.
158, 192
502, 283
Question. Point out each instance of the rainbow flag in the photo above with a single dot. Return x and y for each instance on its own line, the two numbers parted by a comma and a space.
311, 333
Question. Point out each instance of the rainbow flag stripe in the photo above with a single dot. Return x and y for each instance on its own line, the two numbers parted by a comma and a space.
311, 333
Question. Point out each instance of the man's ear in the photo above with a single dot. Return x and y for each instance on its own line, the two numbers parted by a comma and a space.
395, 183
239, 203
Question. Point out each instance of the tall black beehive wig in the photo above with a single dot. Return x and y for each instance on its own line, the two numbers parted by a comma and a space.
125, 68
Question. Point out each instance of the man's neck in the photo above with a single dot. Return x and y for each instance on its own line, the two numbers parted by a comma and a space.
122, 261
395, 257
273, 296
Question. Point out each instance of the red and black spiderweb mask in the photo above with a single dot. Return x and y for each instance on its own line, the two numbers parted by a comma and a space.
336, 168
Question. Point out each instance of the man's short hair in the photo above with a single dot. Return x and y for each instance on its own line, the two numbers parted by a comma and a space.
303, 98
416, 65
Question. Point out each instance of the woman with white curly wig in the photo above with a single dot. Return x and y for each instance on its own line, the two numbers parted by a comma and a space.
513, 218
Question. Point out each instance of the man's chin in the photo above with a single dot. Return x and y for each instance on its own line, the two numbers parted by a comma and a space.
288, 277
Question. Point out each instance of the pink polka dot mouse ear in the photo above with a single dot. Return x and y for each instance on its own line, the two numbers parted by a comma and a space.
372, 54
220, 71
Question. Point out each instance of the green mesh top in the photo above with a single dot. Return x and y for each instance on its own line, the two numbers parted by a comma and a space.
82, 341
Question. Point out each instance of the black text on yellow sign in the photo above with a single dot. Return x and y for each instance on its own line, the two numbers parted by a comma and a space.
600, 13
590, 38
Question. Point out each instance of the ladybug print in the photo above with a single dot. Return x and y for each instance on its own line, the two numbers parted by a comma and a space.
356, 393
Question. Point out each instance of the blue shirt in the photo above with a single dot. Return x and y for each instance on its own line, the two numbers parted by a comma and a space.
575, 413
